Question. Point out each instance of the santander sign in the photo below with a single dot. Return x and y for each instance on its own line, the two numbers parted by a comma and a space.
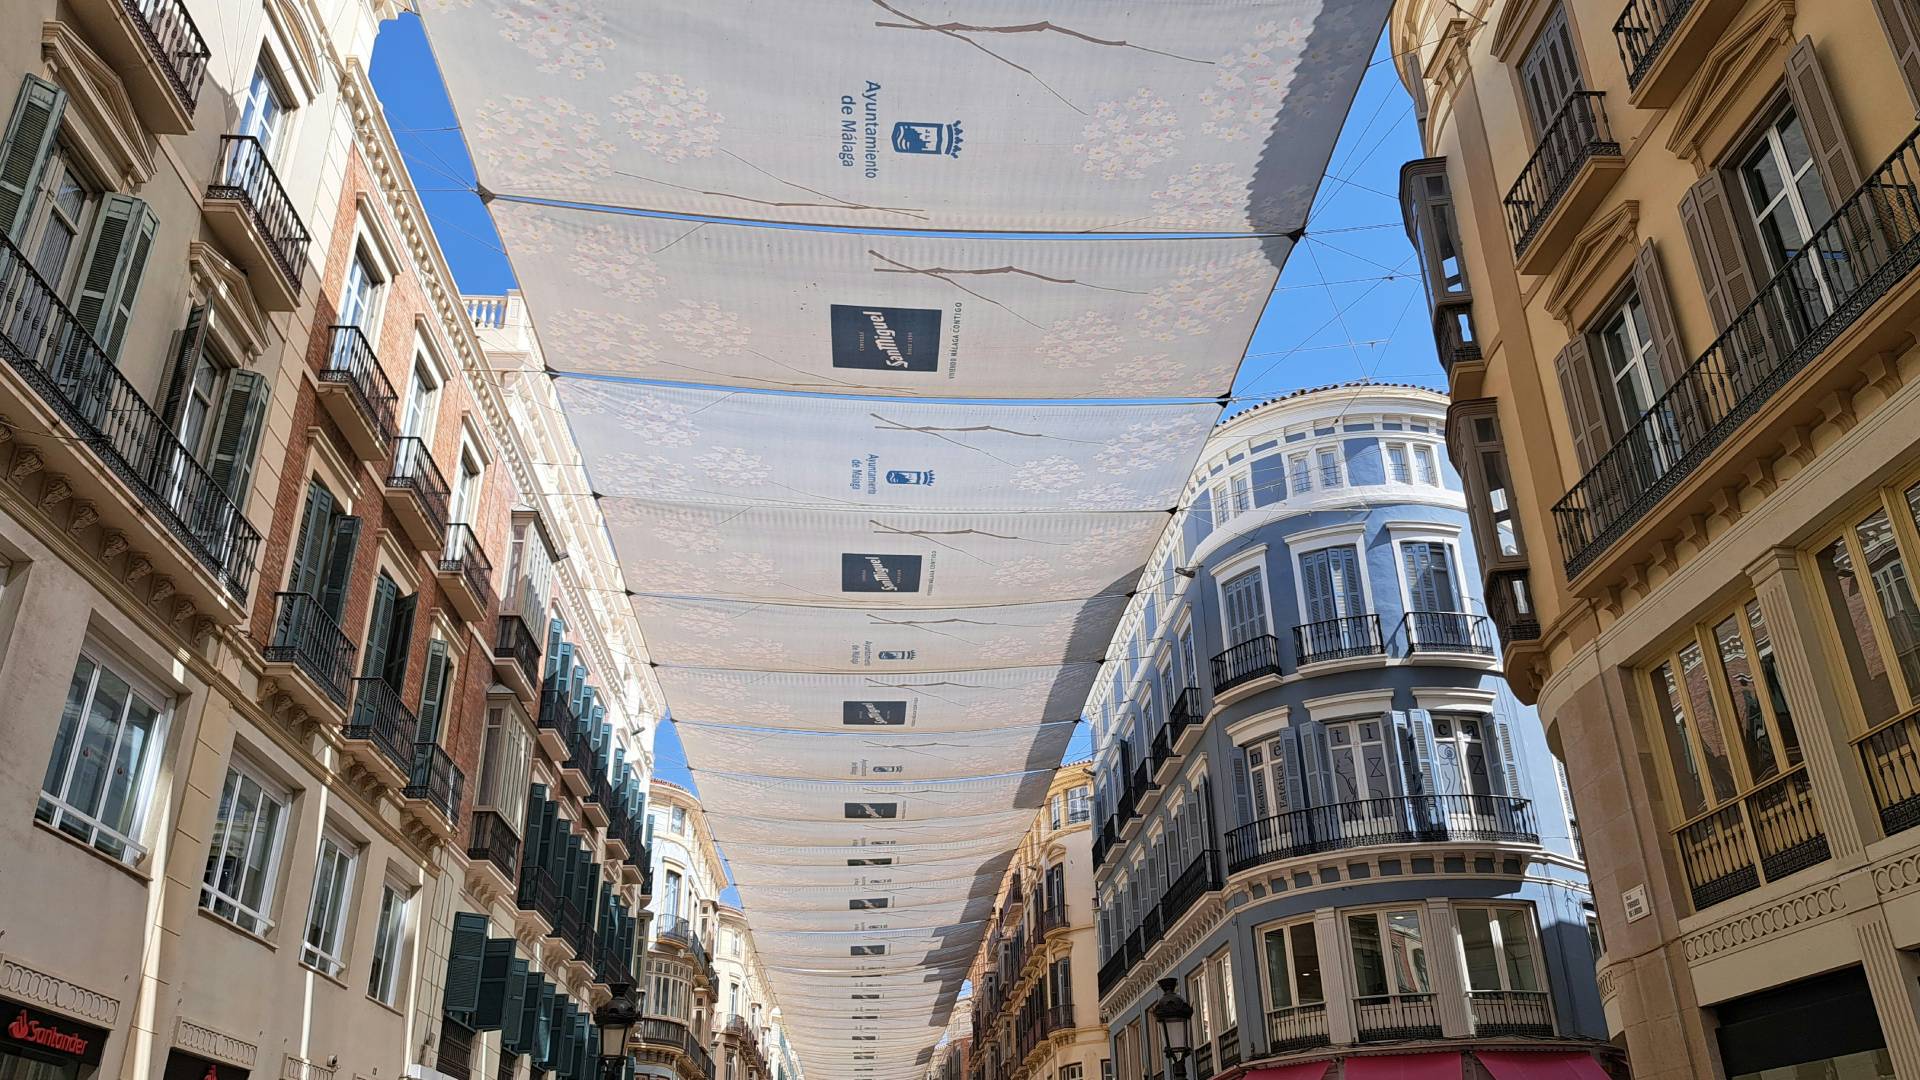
28, 1030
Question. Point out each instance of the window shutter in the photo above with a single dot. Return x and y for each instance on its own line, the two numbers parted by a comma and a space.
513, 1005
541, 1045
316, 522
30, 134
339, 566
243, 414
1813, 100
465, 955
433, 690
1898, 18
193, 338
523, 1037
1288, 747
1315, 763
1651, 283
1242, 801
490, 1001
380, 626
1510, 760
400, 640
1583, 402
1420, 738
1718, 252
116, 255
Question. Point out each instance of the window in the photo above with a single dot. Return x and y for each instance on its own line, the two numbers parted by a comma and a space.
1266, 767
423, 400
323, 552
1460, 749
1292, 959
506, 755
1389, 954
1359, 762
105, 758
1425, 467
388, 937
1787, 202
245, 855
263, 111
1738, 640
1202, 1003
1243, 600
1864, 573
1484, 459
1399, 463
1241, 485
1429, 568
1079, 805
65, 206
1427, 206
1329, 459
680, 820
1632, 369
327, 911
670, 899
358, 293
466, 485
1300, 473
1497, 946
1550, 72
1072, 1071
1056, 808
389, 633
1222, 968
1331, 588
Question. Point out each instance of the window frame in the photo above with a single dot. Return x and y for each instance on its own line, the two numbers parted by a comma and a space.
1380, 914
389, 942
63, 159
1474, 448
329, 957
1497, 937
239, 769
1285, 928
1252, 560
141, 789
1891, 499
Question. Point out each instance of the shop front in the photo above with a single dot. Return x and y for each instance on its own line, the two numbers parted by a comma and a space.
39, 1045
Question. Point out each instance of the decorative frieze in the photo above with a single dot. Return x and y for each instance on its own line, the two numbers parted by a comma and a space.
26, 983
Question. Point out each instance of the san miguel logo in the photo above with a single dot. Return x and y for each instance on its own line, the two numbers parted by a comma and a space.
28, 1030
879, 573
873, 713
885, 338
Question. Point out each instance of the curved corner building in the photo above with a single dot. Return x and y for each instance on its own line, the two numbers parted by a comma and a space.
1321, 812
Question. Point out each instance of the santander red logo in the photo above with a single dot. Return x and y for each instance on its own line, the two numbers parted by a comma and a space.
28, 1030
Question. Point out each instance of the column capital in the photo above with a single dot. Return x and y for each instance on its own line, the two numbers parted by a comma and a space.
1773, 561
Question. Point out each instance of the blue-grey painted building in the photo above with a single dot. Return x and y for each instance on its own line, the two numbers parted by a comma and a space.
1322, 813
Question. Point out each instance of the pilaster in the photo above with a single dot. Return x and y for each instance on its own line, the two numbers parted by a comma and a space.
1449, 983
1892, 975
1336, 980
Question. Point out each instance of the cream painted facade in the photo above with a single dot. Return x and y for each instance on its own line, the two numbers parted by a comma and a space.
1670, 251
1035, 1004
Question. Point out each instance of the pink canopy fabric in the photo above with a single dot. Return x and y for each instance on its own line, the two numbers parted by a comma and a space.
1308, 1070
1444, 1066
1531, 1065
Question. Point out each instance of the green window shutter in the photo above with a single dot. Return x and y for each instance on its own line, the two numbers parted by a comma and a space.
583, 1048
116, 256
513, 1006
433, 692
496, 964
193, 339
400, 640
243, 414
339, 566
559, 1043
380, 626
316, 525
521, 1037
465, 955
543, 1012
23, 153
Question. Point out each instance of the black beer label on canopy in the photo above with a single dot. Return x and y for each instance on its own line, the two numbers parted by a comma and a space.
885, 338
861, 572
873, 713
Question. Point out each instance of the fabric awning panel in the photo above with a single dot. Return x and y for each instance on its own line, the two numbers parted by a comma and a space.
1442, 1066
909, 756
1548, 1065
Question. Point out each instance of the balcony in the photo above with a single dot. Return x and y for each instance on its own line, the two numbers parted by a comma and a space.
539, 895
1891, 755
1454, 336
1456, 633
309, 653
1771, 833
417, 493
1510, 606
611, 967
1053, 918
1664, 42
1404, 819
155, 48
249, 212
1510, 1012
1345, 638
1389, 1017
1575, 164
1183, 719
379, 732
65, 380
1852, 262
1139, 799
1201, 877
466, 574
557, 726
1255, 658
1160, 753
516, 658
433, 788
673, 930
1301, 1027
496, 844
355, 391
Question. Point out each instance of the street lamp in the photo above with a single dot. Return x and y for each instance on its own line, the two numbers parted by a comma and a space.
1175, 1017
615, 1020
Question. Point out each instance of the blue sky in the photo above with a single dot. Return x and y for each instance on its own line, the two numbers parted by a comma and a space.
1349, 304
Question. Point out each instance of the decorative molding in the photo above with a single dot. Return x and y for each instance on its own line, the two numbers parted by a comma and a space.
31, 984
1750, 49
1897, 875
1589, 266
112, 134
207, 1042
1608, 981
1753, 926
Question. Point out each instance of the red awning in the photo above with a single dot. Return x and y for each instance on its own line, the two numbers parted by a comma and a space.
1306, 1070
1551, 1065
1405, 1067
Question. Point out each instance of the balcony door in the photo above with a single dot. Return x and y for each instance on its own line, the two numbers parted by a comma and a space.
1550, 73
1244, 600
1330, 584
263, 112
1362, 784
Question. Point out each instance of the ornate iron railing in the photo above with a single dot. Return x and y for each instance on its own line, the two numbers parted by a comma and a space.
1576, 134
673, 928
1298, 1028
538, 892
1643, 30
515, 642
1405, 819
413, 468
247, 177
1871, 242
57, 355
1060, 1017
1448, 632
1338, 639
1454, 334
306, 636
1112, 970
497, 841
1201, 877
1396, 1016
1246, 661
1159, 749
1510, 1012
351, 363
175, 42
1510, 606
436, 779
1771, 832
1186, 712
461, 554
379, 717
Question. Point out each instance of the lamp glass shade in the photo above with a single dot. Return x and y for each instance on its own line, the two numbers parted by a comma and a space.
1175, 1017
615, 1020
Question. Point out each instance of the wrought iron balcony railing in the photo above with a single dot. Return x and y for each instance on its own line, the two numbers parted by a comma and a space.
461, 554
1404, 819
1053, 917
380, 718
1510, 1012
1186, 711
1643, 29
306, 636
497, 841
1338, 639
1510, 606
1772, 832
673, 928
175, 42
1300, 1027
1870, 243
1448, 632
351, 363
1201, 877
54, 352
247, 177
1578, 133
515, 642
1382, 1017
1245, 662
413, 468
538, 892
435, 778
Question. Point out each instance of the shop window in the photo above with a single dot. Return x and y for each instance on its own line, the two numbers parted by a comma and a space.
1499, 949
245, 856
101, 775
1389, 954
324, 947
1291, 957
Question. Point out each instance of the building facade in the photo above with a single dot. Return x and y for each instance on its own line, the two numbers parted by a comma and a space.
1033, 1011
1322, 813
279, 607
1670, 255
